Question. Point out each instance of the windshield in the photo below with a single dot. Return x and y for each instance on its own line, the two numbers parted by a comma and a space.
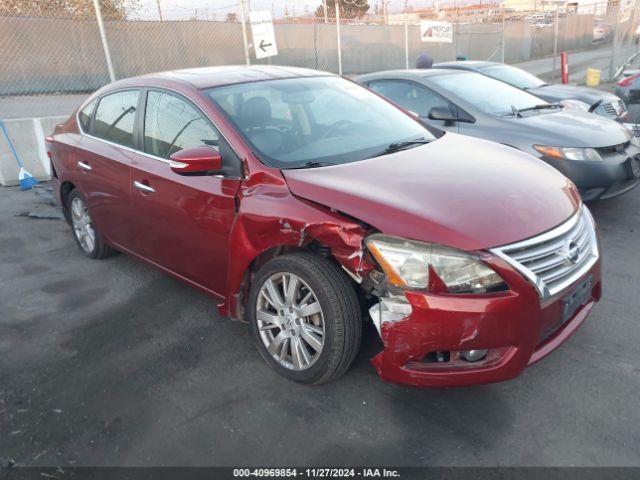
513, 76
486, 94
314, 120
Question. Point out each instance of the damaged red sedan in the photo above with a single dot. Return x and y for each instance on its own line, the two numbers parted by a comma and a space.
301, 200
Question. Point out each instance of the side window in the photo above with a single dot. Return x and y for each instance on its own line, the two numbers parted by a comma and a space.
172, 124
410, 96
85, 115
114, 117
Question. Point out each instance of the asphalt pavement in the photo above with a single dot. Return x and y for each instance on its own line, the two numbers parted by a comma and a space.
113, 363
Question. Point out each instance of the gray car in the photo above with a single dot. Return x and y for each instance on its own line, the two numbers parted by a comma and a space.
599, 102
599, 155
628, 89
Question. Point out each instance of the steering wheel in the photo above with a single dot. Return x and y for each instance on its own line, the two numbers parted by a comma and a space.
268, 138
335, 127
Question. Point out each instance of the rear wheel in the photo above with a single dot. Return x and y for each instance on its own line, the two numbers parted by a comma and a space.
86, 235
305, 318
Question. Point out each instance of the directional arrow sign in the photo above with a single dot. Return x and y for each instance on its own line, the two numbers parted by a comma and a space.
264, 39
264, 46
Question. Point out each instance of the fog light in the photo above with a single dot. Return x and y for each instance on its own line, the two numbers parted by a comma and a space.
473, 355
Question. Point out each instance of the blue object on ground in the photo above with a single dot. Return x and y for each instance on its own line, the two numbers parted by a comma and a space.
25, 178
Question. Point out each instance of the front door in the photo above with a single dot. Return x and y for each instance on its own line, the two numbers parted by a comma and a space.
417, 99
182, 223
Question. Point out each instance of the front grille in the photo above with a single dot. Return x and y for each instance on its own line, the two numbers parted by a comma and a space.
614, 109
621, 107
619, 148
609, 108
554, 260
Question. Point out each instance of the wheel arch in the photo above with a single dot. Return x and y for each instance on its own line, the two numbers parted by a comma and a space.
65, 190
252, 244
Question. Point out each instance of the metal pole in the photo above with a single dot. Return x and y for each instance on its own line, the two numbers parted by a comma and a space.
555, 45
406, 36
159, 10
244, 33
612, 66
326, 15
103, 37
502, 34
338, 35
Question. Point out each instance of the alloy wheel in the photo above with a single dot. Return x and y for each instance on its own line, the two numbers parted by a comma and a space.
290, 321
82, 225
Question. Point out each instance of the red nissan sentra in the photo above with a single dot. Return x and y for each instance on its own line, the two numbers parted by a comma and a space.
300, 200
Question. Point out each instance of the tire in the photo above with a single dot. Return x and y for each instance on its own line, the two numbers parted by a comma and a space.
82, 230
339, 318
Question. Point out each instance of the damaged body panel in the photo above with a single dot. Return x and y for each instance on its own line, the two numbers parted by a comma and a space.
295, 224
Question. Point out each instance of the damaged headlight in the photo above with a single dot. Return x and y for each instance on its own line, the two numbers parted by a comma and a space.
421, 266
570, 153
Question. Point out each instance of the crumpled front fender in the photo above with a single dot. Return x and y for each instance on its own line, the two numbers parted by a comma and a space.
270, 217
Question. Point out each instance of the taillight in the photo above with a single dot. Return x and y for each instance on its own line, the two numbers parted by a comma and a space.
626, 81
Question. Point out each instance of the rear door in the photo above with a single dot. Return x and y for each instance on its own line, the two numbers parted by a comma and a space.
103, 160
182, 223
416, 99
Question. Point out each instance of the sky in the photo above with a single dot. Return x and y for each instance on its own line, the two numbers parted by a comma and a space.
218, 9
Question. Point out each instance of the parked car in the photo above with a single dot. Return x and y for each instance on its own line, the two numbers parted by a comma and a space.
599, 155
628, 88
585, 98
602, 31
544, 23
293, 197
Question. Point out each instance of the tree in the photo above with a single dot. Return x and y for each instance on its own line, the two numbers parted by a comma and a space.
80, 9
348, 8
232, 17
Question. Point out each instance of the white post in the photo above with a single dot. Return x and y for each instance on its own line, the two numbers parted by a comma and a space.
338, 36
502, 34
103, 37
612, 65
244, 33
326, 15
406, 36
555, 44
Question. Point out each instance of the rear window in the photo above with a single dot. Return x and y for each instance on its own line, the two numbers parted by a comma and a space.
513, 76
486, 94
114, 117
85, 115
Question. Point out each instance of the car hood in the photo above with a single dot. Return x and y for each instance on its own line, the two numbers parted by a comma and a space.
458, 191
556, 93
570, 128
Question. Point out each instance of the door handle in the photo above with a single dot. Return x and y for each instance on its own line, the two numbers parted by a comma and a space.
143, 188
85, 166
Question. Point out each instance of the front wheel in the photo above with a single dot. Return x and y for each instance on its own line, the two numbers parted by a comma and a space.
305, 318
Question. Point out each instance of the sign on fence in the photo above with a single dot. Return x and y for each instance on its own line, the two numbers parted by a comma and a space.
264, 39
440, 32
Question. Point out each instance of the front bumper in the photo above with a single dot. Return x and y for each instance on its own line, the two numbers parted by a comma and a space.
601, 180
514, 326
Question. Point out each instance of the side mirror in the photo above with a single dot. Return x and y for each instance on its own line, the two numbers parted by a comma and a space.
202, 160
442, 113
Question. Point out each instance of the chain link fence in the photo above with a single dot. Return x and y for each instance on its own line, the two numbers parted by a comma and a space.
56, 46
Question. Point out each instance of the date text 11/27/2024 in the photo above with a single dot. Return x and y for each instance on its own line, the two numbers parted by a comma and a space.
316, 472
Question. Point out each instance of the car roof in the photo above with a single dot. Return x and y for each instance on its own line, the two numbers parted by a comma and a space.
208, 77
413, 73
467, 64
